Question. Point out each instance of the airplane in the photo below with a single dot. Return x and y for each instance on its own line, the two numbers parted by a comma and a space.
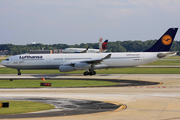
102, 48
92, 61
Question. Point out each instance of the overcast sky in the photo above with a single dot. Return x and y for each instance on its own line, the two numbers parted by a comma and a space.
85, 21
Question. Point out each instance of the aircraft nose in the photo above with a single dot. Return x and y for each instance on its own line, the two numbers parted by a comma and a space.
3, 63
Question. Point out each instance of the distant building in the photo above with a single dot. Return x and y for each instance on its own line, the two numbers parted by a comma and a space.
4, 52
57, 51
45, 51
40, 52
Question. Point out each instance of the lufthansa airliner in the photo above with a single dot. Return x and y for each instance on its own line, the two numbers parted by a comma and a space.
91, 61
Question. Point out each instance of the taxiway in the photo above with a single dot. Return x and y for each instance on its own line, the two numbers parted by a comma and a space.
160, 101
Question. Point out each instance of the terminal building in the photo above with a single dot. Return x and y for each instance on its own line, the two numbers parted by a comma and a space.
40, 52
4, 52
45, 51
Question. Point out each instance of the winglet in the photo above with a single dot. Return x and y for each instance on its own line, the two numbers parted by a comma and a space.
84, 51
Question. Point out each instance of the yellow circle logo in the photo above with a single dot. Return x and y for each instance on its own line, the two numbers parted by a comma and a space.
166, 40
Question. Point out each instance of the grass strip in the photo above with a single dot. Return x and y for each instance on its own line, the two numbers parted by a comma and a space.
173, 57
133, 70
165, 62
17, 107
141, 71
54, 83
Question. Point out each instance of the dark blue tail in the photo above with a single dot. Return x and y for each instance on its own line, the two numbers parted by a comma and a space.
165, 42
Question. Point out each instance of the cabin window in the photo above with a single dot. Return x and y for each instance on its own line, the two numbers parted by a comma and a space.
58, 58
7, 59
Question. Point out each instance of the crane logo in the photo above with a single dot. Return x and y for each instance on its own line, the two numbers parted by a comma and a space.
166, 39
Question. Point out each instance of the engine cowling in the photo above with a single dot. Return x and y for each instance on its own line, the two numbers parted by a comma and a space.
77, 66
82, 66
66, 68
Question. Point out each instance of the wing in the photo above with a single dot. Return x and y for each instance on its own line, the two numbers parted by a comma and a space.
96, 61
90, 61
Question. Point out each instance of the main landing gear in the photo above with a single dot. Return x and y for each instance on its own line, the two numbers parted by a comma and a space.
90, 73
19, 72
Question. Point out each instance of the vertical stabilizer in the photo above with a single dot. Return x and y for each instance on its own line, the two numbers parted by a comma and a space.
104, 44
165, 42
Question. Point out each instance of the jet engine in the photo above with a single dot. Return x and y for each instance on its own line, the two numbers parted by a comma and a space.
66, 68
76, 66
82, 66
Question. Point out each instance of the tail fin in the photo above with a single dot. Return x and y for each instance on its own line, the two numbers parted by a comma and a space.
165, 42
104, 44
100, 44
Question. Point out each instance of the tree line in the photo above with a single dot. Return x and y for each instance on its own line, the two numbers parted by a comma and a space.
118, 46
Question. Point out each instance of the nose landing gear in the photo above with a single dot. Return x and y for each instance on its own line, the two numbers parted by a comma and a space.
19, 72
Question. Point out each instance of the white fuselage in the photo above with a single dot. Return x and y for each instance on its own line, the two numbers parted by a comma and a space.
53, 61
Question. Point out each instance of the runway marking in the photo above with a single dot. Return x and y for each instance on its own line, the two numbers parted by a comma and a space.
122, 106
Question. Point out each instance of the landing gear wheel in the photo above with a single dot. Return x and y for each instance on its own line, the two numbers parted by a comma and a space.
19, 73
91, 73
94, 72
86, 73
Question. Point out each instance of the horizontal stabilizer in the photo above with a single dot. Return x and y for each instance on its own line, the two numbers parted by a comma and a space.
162, 55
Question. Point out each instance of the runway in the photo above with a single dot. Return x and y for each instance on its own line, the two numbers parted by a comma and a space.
160, 101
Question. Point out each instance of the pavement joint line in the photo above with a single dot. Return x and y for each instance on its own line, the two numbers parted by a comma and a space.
164, 107
164, 78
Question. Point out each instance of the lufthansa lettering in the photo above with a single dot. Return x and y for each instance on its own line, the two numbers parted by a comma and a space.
132, 54
30, 57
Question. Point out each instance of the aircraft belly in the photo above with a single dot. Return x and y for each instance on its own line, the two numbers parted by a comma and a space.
29, 67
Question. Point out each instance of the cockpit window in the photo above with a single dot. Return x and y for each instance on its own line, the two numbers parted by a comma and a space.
7, 59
